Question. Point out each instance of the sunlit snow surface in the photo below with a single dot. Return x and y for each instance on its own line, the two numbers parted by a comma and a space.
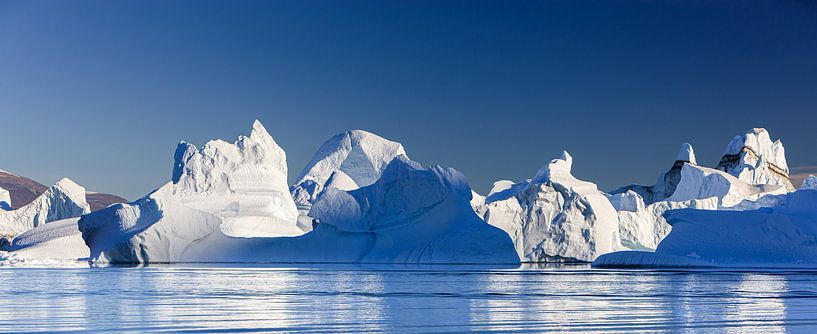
405, 299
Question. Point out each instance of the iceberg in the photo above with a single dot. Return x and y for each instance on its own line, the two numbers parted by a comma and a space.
688, 185
346, 161
554, 217
781, 236
58, 241
63, 200
408, 215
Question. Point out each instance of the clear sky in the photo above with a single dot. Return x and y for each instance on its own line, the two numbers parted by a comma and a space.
101, 91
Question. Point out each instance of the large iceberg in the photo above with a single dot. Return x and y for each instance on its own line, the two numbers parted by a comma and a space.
781, 236
346, 161
63, 200
689, 185
554, 216
409, 215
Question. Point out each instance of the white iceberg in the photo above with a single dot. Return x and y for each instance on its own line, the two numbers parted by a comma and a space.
410, 215
781, 236
58, 242
63, 200
554, 216
687, 185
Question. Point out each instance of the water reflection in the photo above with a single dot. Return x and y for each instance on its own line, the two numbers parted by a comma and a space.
414, 299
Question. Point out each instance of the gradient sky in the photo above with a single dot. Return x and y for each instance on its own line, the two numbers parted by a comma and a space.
101, 91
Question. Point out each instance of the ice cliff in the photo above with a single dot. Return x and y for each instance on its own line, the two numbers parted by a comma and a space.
554, 216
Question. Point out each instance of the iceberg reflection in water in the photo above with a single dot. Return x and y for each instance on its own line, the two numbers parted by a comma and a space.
388, 298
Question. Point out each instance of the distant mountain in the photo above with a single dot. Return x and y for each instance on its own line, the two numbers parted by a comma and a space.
24, 190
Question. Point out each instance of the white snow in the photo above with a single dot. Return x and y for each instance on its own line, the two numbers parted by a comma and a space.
358, 155
63, 200
554, 216
243, 183
780, 236
411, 215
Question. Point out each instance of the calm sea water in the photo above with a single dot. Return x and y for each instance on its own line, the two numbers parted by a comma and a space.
405, 299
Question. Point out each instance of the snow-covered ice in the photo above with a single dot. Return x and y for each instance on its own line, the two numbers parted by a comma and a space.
554, 216
346, 161
244, 183
410, 215
63, 200
779, 236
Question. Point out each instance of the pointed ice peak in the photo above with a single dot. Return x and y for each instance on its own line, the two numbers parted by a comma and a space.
500, 186
556, 168
755, 159
686, 154
220, 165
758, 142
71, 188
810, 183
341, 181
359, 154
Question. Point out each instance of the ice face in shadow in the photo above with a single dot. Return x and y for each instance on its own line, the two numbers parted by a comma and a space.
779, 236
63, 200
554, 216
809, 183
410, 215
357, 157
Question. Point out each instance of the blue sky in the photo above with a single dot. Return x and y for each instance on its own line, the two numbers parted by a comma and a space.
101, 91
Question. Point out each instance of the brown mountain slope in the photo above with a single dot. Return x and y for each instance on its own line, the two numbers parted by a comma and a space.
24, 190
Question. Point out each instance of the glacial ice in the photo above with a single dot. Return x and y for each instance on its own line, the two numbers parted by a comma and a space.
779, 236
754, 159
243, 183
349, 160
63, 200
410, 215
809, 183
554, 216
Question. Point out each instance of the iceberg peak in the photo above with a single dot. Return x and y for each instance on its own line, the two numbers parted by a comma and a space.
753, 158
360, 155
810, 182
686, 154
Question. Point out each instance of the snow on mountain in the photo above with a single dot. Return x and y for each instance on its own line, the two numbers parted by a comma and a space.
5, 200
63, 200
779, 236
244, 183
410, 215
357, 156
755, 159
809, 183
554, 216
